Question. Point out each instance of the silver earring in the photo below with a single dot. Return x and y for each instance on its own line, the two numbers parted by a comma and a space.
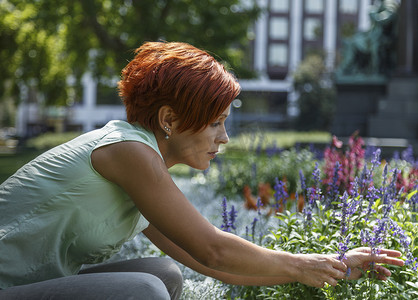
168, 130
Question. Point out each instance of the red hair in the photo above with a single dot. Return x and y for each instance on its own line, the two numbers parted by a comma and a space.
189, 80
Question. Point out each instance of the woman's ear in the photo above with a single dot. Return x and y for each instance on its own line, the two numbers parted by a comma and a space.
166, 117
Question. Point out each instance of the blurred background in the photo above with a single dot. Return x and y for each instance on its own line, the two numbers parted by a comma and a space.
329, 66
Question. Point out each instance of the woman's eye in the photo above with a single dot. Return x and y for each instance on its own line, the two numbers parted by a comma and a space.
216, 124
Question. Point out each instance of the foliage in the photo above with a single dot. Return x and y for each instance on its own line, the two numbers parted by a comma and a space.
313, 83
251, 159
357, 200
48, 48
382, 217
229, 175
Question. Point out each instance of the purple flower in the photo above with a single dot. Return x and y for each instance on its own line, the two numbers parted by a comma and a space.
228, 218
348, 208
271, 151
253, 224
413, 202
376, 159
307, 211
408, 155
259, 205
225, 224
379, 233
345, 214
302, 181
405, 242
333, 186
385, 177
369, 151
348, 273
343, 247
316, 175
280, 193
232, 218
371, 197
314, 193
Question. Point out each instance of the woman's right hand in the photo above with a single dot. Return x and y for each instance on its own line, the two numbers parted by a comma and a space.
317, 269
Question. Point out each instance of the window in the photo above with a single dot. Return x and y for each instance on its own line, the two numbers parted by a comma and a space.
312, 29
314, 6
348, 6
278, 28
279, 6
278, 55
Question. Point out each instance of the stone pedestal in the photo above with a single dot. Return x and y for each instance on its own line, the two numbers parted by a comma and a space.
356, 101
397, 112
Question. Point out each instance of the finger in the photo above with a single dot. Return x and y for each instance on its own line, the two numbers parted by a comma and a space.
319, 282
382, 271
384, 259
389, 252
392, 253
322, 280
331, 281
393, 261
338, 274
339, 265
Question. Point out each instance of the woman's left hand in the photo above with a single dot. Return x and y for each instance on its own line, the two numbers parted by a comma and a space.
359, 261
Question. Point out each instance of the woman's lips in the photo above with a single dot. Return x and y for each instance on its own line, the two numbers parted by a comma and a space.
212, 154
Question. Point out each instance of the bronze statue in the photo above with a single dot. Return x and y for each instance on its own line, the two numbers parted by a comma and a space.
372, 52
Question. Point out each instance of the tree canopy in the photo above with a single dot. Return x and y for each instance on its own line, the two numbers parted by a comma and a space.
47, 46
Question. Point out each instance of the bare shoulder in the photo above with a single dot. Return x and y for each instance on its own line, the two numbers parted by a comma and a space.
116, 161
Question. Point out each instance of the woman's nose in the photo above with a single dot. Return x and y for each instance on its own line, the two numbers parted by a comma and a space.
223, 136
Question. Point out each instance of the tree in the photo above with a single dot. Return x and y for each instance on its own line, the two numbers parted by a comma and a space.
313, 82
47, 46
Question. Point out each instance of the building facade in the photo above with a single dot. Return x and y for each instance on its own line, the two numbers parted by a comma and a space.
284, 35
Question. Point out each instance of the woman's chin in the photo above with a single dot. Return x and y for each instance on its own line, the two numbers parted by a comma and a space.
201, 166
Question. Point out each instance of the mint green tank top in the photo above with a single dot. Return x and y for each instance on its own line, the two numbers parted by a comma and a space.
58, 213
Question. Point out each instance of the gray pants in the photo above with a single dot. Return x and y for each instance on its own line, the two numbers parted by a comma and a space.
144, 278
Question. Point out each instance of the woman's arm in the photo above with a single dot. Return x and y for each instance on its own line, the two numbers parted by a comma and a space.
177, 253
358, 260
140, 171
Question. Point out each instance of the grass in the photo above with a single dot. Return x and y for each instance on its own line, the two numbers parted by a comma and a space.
281, 139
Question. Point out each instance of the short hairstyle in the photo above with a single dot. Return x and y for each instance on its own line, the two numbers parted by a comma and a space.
189, 80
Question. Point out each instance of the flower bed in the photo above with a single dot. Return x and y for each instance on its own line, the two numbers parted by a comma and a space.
302, 201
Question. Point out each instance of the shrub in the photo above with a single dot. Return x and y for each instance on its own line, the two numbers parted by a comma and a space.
353, 202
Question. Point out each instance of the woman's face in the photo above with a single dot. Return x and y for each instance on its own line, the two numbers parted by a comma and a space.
197, 149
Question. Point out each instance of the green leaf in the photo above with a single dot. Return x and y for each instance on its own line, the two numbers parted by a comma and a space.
412, 284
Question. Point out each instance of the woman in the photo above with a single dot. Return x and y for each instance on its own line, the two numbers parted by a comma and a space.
79, 202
